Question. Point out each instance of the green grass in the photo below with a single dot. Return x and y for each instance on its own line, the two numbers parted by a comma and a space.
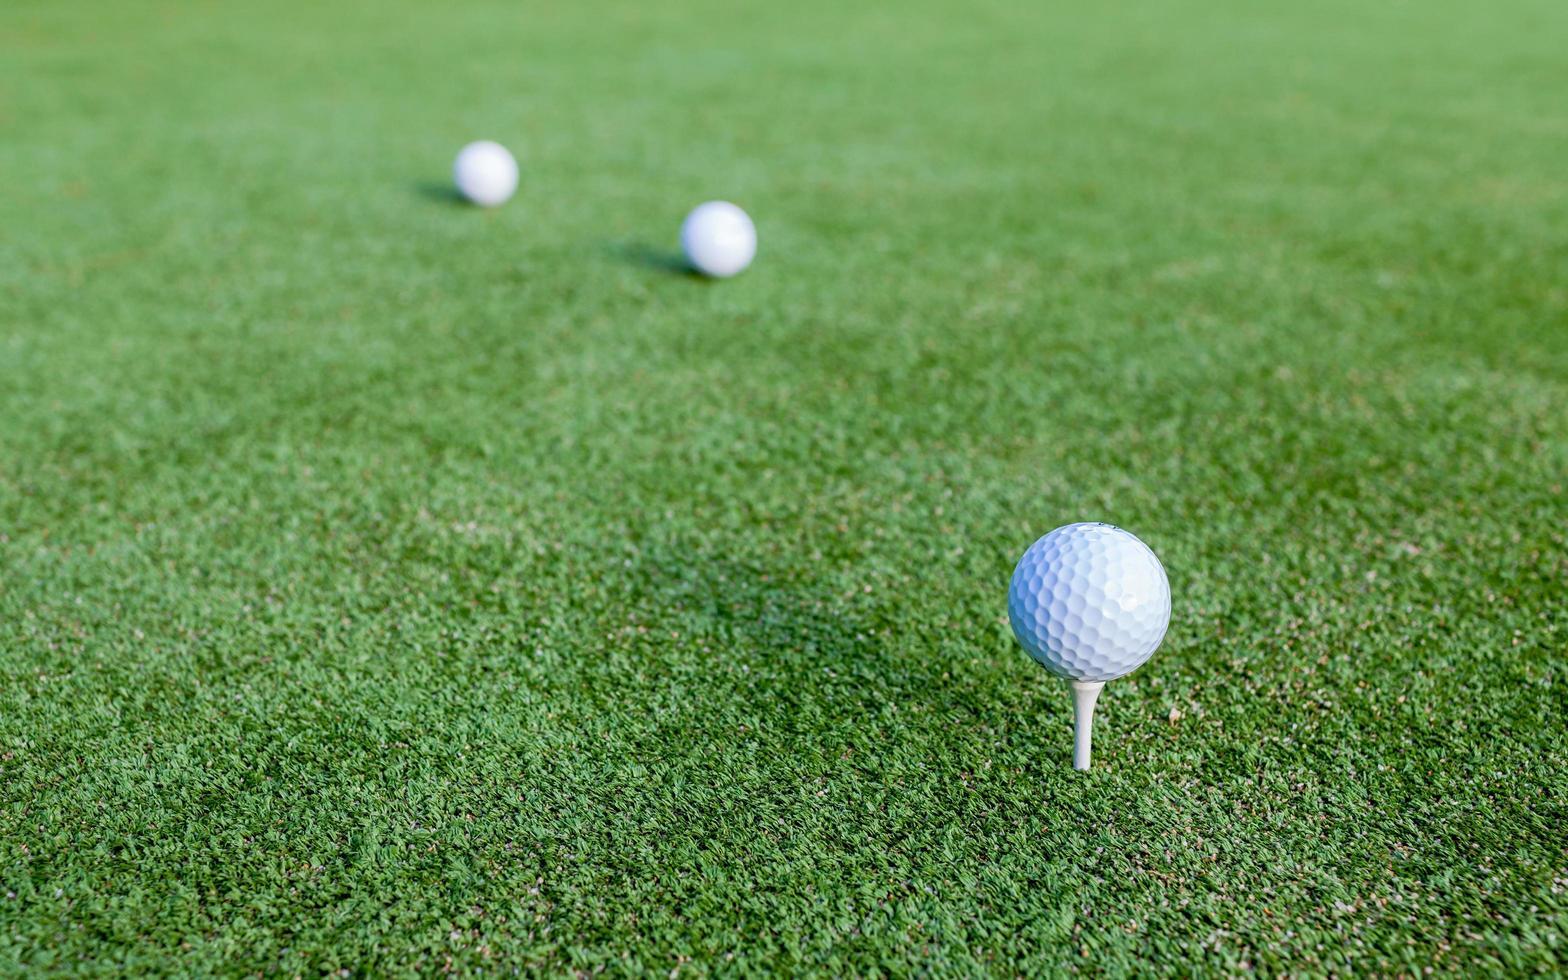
391, 586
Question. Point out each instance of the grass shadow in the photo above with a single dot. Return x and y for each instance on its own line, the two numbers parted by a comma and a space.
440, 191
805, 644
647, 256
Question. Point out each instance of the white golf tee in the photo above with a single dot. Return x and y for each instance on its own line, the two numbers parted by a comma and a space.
1085, 693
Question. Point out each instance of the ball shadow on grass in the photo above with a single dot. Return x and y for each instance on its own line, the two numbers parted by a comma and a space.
442, 192
647, 256
809, 653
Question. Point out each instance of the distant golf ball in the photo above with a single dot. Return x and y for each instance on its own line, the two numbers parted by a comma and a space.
1090, 602
485, 173
719, 239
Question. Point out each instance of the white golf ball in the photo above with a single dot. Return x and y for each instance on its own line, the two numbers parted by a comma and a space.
719, 239
485, 173
1090, 602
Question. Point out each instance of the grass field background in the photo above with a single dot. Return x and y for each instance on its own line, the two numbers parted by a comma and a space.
392, 586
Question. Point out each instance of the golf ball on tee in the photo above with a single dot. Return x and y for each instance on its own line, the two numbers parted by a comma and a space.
719, 239
485, 173
1090, 602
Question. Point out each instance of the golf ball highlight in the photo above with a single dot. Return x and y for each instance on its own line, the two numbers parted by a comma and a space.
486, 173
719, 239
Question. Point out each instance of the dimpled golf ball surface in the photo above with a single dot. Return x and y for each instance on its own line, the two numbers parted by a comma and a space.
1089, 601
719, 239
485, 173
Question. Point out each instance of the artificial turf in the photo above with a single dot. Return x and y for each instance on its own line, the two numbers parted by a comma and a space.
392, 586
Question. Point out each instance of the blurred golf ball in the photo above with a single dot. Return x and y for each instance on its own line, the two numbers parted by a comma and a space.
719, 239
485, 173
1090, 602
